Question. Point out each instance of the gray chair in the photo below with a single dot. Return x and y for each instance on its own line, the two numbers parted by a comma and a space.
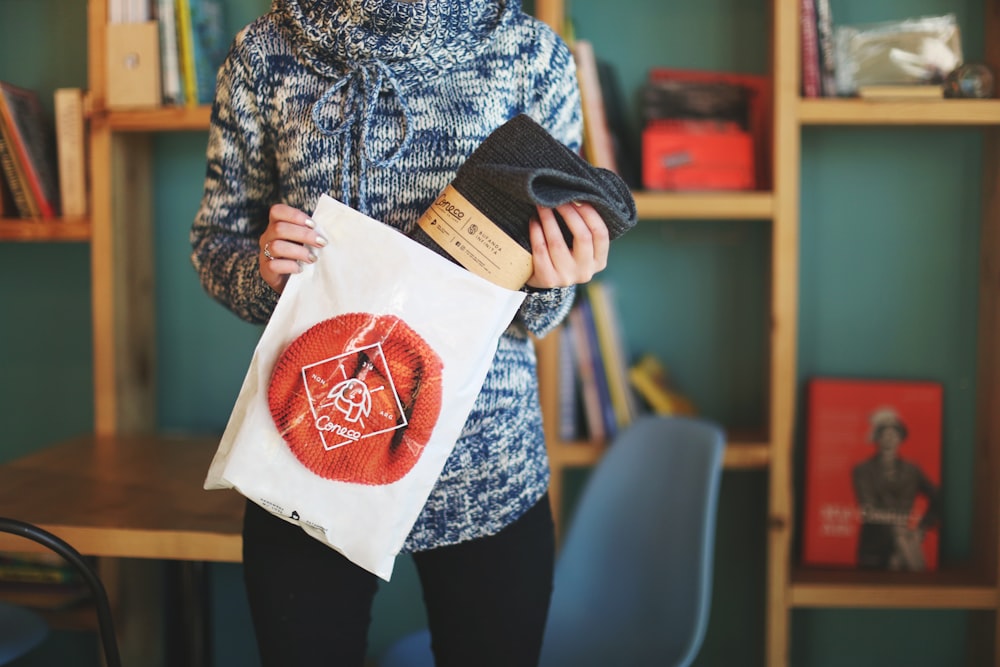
633, 579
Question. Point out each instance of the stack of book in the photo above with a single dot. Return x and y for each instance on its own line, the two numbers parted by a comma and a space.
596, 398
40, 581
600, 390
182, 43
43, 163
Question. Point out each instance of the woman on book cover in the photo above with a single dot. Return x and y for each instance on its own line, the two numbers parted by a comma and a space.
886, 487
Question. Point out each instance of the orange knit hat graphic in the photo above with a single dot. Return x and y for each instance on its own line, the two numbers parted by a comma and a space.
356, 397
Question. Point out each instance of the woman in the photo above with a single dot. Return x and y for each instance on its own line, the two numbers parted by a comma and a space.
378, 102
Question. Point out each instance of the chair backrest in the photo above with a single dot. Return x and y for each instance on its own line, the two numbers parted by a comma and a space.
634, 576
109, 641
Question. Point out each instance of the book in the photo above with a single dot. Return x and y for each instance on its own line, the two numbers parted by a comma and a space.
29, 138
209, 44
611, 346
626, 152
872, 477
827, 49
15, 180
597, 143
649, 378
600, 371
71, 151
811, 83
8, 209
170, 77
569, 388
185, 52
591, 399
38, 570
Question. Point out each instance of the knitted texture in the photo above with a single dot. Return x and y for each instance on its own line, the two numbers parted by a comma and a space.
356, 397
521, 166
382, 122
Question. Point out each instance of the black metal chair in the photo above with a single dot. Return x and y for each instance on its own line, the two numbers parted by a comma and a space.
24, 625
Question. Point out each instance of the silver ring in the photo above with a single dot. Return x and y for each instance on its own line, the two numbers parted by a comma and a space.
267, 251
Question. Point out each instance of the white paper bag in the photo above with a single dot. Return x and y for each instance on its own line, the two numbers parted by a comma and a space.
360, 385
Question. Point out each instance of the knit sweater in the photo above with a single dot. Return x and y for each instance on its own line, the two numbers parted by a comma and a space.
377, 103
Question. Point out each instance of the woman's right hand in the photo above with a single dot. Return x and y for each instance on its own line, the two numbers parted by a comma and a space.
288, 242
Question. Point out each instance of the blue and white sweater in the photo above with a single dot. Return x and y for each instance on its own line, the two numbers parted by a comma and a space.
377, 103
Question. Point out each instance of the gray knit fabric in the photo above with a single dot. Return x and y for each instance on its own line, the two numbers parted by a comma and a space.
310, 103
521, 166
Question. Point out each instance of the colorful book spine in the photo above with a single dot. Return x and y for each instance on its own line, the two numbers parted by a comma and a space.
569, 404
30, 139
15, 180
811, 86
173, 90
590, 395
597, 142
611, 347
71, 151
210, 42
827, 51
185, 50
607, 410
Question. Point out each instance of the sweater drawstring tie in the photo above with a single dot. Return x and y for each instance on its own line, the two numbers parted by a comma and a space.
361, 88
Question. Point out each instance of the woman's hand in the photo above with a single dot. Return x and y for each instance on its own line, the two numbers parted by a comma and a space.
286, 244
556, 264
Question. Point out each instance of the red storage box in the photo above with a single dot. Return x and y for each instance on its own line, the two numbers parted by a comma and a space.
697, 155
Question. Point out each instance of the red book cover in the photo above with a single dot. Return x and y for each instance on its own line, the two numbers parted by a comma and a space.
873, 471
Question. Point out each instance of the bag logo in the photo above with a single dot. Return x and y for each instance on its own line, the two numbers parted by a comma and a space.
343, 413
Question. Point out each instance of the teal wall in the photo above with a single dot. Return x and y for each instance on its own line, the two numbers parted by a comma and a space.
889, 268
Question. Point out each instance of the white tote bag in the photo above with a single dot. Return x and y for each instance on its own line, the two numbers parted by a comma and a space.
360, 385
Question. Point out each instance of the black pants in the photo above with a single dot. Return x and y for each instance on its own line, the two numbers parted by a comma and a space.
486, 599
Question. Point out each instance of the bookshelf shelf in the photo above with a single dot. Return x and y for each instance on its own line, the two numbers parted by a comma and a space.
579, 453
925, 112
17, 230
163, 119
947, 589
746, 455
704, 205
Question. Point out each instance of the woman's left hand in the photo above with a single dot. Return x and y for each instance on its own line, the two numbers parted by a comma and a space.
555, 263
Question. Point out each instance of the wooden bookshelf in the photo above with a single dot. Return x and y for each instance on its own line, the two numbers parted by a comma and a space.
970, 585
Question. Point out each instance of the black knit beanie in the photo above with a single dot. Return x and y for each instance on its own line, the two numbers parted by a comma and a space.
520, 165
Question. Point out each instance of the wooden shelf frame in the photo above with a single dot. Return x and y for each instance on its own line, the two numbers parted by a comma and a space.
945, 112
75, 230
949, 588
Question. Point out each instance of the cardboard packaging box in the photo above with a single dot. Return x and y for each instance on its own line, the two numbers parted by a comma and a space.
133, 65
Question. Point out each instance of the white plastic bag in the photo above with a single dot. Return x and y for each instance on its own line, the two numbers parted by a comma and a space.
360, 385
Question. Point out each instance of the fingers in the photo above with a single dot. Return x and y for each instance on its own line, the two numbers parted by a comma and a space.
559, 264
289, 241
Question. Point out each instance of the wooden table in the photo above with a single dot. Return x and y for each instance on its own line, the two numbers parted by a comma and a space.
125, 496
134, 497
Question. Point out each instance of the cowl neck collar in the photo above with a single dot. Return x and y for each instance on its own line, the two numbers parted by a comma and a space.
415, 40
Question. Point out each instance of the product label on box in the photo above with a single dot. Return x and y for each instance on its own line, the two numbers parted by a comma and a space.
475, 241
